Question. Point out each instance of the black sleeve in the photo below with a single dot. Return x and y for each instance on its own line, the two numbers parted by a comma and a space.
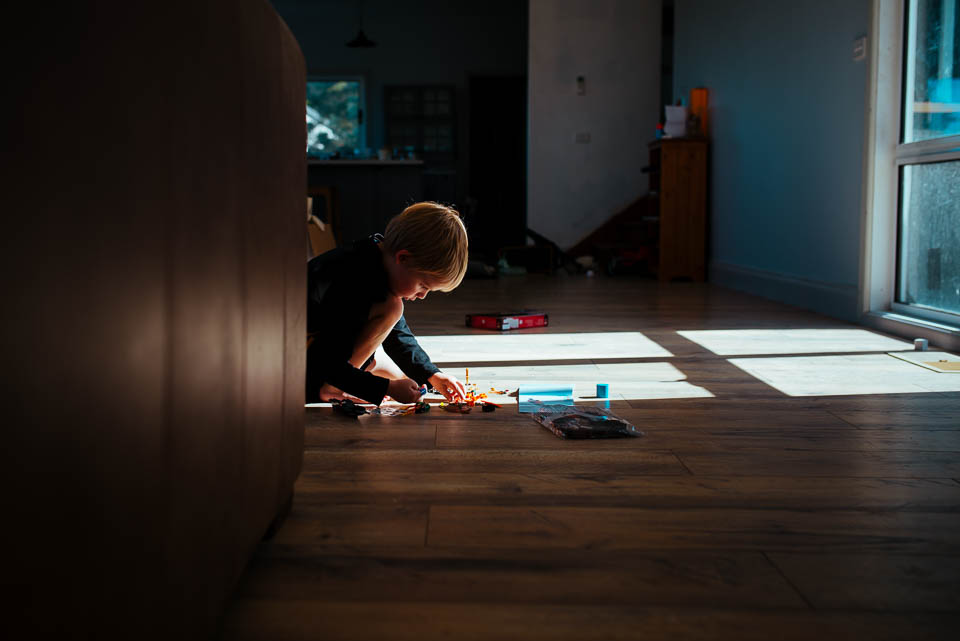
351, 380
341, 374
402, 346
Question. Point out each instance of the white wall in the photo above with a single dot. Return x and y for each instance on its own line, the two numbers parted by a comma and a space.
788, 108
574, 188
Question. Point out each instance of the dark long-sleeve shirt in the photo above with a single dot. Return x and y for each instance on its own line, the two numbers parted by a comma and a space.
342, 285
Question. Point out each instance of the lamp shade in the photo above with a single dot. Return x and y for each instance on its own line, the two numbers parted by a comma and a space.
361, 40
699, 107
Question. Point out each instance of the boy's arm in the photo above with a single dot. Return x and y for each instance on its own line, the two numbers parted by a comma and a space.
402, 346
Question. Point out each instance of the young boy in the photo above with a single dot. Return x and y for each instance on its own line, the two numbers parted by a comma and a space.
358, 343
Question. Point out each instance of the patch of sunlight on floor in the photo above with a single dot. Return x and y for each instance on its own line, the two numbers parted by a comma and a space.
627, 381
510, 347
734, 342
845, 375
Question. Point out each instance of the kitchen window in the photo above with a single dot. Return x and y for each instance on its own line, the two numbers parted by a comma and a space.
335, 118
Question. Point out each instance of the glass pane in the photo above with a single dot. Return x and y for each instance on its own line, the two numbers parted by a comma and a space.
332, 117
930, 236
932, 80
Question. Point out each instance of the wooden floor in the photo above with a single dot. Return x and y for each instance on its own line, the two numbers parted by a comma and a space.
743, 514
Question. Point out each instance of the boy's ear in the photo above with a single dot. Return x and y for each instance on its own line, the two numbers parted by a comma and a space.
403, 257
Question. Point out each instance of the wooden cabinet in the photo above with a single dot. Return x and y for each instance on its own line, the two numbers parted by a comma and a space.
679, 178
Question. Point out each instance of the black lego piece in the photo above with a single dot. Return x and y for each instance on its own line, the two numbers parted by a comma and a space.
348, 408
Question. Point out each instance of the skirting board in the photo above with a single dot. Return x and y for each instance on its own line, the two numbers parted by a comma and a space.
908, 327
839, 301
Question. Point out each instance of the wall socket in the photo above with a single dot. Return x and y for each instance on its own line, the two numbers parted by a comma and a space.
582, 137
860, 48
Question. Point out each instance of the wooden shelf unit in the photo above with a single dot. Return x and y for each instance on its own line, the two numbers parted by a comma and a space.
678, 175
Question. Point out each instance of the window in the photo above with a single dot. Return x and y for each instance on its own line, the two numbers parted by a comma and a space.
928, 159
335, 124
910, 281
421, 120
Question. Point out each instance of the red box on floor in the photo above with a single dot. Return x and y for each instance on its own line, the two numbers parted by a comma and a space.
511, 320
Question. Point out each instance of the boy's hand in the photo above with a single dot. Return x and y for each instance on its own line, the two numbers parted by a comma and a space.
404, 390
449, 386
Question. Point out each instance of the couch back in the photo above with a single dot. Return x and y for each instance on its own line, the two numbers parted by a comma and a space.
154, 293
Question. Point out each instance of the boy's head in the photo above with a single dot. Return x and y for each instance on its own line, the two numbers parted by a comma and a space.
426, 243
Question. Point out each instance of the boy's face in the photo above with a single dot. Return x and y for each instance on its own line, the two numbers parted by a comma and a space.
407, 282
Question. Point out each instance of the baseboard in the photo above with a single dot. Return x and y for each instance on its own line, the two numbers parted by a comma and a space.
830, 299
939, 335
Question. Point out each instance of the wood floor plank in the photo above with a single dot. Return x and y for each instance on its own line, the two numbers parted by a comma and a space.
353, 525
603, 489
902, 419
855, 581
733, 415
494, 461
392, 433
877, 463
306, 620
914, 439
677, 577
519, 435
493, 436
590, 528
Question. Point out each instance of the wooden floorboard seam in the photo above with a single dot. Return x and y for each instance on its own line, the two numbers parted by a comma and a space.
851, 424
681, 461
787, 580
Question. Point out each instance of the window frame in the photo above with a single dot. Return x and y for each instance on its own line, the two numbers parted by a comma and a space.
885, 156
419, 121
362, 109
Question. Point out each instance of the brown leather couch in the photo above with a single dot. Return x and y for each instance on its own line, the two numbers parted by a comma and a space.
154, 310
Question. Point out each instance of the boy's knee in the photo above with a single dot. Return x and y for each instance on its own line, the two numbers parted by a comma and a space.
391, 309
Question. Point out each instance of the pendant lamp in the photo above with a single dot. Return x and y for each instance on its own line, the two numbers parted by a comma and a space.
361, 39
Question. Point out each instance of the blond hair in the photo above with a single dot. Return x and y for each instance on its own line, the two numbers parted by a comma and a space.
436, 239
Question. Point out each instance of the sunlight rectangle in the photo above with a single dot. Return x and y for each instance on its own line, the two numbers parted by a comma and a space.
628, 381
845, 375
735, 342
487, 348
